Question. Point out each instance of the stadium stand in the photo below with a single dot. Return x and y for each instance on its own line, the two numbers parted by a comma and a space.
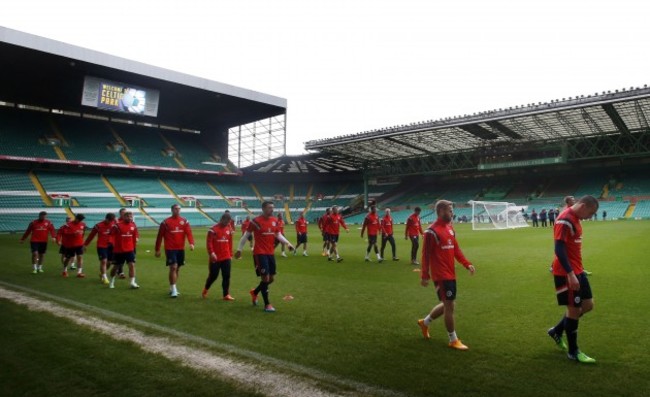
26, 134
641, 210
191, 152
87, 140
145, 146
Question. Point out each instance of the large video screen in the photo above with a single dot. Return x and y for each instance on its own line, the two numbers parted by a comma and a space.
119, 97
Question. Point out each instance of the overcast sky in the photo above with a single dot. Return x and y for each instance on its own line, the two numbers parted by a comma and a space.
350, 66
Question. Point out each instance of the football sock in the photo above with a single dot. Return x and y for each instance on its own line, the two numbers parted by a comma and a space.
80, 270
427, 320
571, 328
452, 336
35, 266
132, 280
265, 292
258, 288
559, 328
40, 267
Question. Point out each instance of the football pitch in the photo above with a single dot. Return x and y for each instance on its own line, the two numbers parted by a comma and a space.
350, 329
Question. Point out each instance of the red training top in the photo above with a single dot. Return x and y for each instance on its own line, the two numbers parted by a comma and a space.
568, 229
301, 225
174, 230
125, 237
439, 250
72, 234
244, 226
387, 225
219, 242
372, 224
413, 226
333, 224
103, 231
39, 230
264, 231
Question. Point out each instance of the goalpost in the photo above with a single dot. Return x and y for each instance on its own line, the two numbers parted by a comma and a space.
492, 215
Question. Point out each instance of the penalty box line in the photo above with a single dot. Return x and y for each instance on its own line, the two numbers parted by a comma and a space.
302, 381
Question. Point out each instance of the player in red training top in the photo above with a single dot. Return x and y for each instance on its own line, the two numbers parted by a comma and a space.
103, 231
244, 227
333, 225
323, 230
439, 252
39, 229
72, 240
386, 224
571, 283
59, 238
281, 229
219, 246
265, 230
125, 238
301, 234
371, 222
413, 232
174, 230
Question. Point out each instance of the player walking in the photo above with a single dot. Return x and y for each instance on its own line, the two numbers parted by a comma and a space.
439, 252
301, 234
72, 240
333, 225
386, 224
265, 231
125, 237
39, 229
103, 231
219, 246
322, 221
371, 222
413, 232
174, 230
571, 283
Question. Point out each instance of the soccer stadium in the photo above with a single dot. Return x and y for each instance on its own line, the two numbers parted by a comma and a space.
90, 133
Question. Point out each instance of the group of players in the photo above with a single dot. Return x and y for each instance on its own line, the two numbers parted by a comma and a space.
439, 253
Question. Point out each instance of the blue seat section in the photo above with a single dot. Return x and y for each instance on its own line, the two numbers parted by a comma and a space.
192, 152
145, 146
18, 191
199, 190
642, 210
23, 133
88, 140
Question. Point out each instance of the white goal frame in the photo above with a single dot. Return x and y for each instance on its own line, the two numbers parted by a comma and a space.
497, 215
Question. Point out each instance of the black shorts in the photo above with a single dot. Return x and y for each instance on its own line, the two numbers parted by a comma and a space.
61, 250
334, 238
326, 236
71, 252
250, 237
565, 294
123, 257
264, 265
301, 238
446, 290
105, 253
175, 256
41, 248
372, 239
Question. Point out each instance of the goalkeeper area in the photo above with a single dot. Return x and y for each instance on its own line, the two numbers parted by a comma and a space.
496, 215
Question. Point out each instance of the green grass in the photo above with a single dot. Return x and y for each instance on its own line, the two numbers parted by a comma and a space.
357, 320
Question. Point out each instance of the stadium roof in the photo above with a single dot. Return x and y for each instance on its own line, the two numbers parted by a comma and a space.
306, 164
623, 112
41, 72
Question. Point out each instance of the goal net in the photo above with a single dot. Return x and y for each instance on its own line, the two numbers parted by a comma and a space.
491, 215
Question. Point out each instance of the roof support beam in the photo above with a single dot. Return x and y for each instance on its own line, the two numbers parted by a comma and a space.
479, 131
616, 118
504, 130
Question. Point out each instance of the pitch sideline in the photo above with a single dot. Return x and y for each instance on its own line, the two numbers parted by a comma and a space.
304, 381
